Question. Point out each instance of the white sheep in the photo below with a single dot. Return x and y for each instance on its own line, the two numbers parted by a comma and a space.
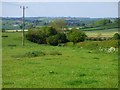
111, 49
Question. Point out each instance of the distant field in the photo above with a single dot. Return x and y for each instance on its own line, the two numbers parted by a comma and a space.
94, 33
102, 33
15, 30
72, 67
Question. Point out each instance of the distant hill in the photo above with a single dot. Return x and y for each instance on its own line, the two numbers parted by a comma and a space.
10, 23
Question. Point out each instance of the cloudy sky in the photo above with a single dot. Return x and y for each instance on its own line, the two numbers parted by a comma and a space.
53, 9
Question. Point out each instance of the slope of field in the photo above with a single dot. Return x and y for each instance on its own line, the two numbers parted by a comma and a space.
102, 33
72, 67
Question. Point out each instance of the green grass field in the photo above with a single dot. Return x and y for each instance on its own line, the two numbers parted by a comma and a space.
73, 68
102, 33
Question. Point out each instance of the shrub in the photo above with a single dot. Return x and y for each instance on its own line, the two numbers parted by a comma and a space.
49, 35
53, 40
40, 34
62, 37
76, 36
116, 36
56, 39
36, 36
49, 31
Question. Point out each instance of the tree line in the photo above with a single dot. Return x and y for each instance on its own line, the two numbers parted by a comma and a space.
54, 34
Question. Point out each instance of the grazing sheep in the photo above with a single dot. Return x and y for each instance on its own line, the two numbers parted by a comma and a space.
111, 49
108, 50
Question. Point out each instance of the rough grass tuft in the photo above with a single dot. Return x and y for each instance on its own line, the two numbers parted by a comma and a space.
55, 53
34, 54
75, 82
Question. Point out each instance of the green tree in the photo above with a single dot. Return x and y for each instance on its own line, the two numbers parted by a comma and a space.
76, 36
49, 31
59, 25
56, 39
40, 34
117, 20
102, 22
53, 40
116, 36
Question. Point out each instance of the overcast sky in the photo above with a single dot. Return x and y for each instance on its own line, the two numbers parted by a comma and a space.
53, 9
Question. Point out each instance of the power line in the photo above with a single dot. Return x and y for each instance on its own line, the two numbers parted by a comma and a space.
23, 23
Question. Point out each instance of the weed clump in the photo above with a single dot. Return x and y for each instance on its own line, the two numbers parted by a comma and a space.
75, 82
81, 75
34, 54
55, 53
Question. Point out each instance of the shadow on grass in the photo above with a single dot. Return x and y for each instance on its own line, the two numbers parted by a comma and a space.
79, 82
30, 54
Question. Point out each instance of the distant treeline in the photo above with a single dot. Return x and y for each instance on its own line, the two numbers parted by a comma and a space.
82, 23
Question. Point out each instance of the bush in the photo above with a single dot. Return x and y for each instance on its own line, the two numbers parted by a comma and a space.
56, 39
36, 36
40, 34
76, 36
116, 36
49, 31
53, 40
49, 35
62, 37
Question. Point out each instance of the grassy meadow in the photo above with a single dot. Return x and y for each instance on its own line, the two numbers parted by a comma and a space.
56, 67
102, 33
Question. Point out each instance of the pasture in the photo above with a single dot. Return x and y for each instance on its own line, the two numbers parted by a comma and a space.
56, 67
102, 33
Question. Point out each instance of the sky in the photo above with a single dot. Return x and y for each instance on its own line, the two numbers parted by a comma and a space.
61, 9
59, 0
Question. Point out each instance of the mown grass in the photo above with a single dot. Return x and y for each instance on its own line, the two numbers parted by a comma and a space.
73, 68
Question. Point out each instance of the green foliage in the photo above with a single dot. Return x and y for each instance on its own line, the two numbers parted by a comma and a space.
53, 40
40, 34
102, 22
117, 21
59, 24
46, 35
76, 36
56, 39
49, 31
116, 36
36, 36
62, 37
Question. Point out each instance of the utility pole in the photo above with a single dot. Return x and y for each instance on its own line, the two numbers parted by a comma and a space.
23, 23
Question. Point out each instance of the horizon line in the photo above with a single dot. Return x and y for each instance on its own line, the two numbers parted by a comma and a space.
53, 17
